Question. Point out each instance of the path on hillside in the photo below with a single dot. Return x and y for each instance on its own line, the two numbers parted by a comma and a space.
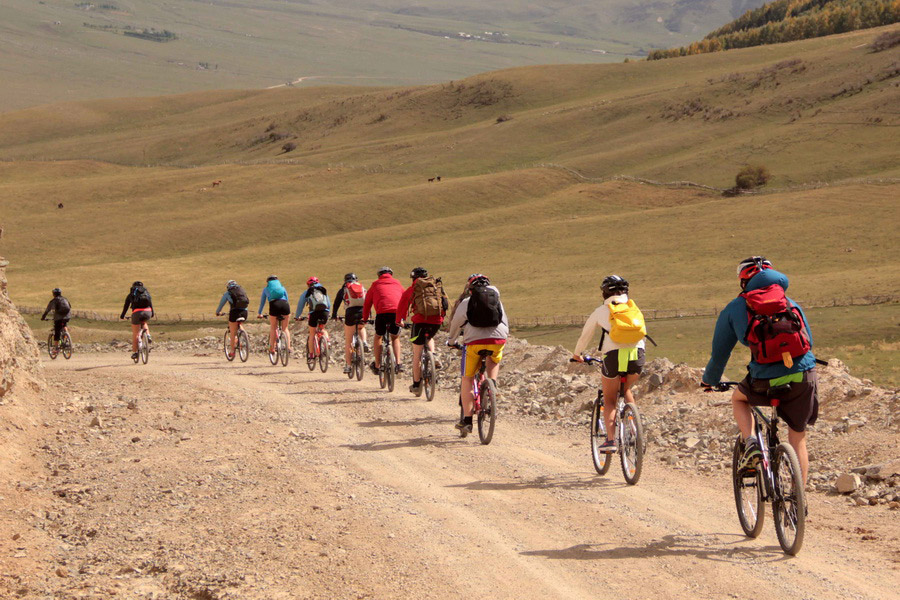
213, 480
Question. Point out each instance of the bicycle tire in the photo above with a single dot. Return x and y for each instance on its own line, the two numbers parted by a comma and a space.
602, 460
487, 416
310, 357
226, 342
631, 451
66, 345
145, 346
788, 509
390, 366
429, 375
283, 353
748, 494
243, 345
323, 354
273, 356
382, 372
360, 359
52, 350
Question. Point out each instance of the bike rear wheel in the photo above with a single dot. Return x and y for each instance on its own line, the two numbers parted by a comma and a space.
145, 346
310, 357
360, 359
273, 356
429, 375
226, 346
602, 460
243, 345
389, 365
789, 502
65, 343
52, 350
748, 494
323, 354
631, 451
487, 416
283, 353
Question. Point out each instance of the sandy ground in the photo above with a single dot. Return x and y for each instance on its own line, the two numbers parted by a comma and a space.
202, 479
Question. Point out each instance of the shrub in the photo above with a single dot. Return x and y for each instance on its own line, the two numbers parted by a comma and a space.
885, 41
752, 176
289, 147
503, 118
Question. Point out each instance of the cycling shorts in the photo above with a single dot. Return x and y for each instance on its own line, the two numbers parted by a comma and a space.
471, 360
798, 407
353, 316
140, 316
625, 361
318, 317
279, 308
386, 322
58, 325
422, 332
237, 313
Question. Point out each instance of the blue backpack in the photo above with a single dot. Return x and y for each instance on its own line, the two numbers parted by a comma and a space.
275, 291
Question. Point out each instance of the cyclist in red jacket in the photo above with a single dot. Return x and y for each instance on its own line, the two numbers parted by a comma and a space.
384, 295
429, 304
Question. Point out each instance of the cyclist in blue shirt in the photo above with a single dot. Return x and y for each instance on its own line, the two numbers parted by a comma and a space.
279, 306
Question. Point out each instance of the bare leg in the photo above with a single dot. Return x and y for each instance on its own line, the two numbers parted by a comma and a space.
233, 327
348, 342
417, 362
378, 351
362, 333
610, 394
135, 333
311, 339
286, 328
395, 342
742, 414
467, 392
273, 326
630, 381
797, 440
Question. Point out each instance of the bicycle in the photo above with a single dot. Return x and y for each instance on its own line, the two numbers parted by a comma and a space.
388, 369
629, 433
64, 347
485, 392
429, 372
281, 352
778, 481
357, 355
144, 341
243, 343
320, 349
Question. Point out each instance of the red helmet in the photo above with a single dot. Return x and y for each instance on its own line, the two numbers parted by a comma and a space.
751, 266
311, 281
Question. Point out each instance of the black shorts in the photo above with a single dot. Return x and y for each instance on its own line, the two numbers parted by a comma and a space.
237, 313
140, 316
353, 316
386, 322
279, 308
318, 317
798, 407
611, 367
422, 332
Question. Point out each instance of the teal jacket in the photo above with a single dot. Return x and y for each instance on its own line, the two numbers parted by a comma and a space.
731, 328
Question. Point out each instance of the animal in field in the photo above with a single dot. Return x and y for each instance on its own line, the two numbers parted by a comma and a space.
217, 183
430, 179
438, 177
60, 205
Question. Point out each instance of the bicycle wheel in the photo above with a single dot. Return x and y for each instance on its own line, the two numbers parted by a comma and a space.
382, 371
360, 359
429, 375
323, 354
273, 356
283, 353
748, 494
243, 345
789, 503
631, 451
487, 416
602, 460
65, 343
52, 350
310, 357
226, 346
389, 364
145, 346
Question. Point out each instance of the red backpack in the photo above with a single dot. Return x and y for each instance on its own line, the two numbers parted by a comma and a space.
354, 294
775, 329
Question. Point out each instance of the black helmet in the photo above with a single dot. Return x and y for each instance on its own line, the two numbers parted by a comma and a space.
350, 277
613, 285
137, 284
384, 270
749, 267
271, 278
418, 273
57, 291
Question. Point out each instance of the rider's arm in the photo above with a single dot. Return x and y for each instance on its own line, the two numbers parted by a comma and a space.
337, 301
226, 297
403, 304
127, 304
458, 320
262, 302
590, 327
152, 312
50, 305
367, 304
723, 342
301, 303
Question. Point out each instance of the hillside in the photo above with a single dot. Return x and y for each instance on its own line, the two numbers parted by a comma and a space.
57, 50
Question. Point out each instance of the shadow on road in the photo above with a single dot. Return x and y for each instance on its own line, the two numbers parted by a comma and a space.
409, 423
411, 443
569, 481
130, 363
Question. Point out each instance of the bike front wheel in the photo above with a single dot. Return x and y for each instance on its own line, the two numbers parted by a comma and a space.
631, 451
429, 375
243, 345
360, 359
52, 350
389, 364
323, 354
602, 460
748, 493
226, 346
487, 416
145, 346
789, 502
284, 354
310, 357
65, 343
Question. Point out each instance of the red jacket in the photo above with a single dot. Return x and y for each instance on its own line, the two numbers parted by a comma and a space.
406, 301
384, 294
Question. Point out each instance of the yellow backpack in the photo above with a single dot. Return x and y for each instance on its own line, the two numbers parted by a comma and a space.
626, 323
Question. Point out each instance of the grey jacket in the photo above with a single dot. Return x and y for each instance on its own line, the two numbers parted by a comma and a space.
473, 334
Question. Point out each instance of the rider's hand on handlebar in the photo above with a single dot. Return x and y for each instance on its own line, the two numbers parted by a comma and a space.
259, 316
578, 358
706, 386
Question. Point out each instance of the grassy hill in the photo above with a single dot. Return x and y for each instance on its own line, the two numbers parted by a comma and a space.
57, 50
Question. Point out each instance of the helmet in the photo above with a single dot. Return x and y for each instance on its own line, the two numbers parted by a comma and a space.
312, 281
384, 270
418, 272
57, 291
137, 284
749, 267
271, 278
613, 285
231, 283
478, 279
350, 277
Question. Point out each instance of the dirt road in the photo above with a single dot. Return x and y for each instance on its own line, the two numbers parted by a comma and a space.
203, 479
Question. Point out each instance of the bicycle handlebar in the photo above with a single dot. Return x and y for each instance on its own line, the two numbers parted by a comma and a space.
722, 386
590, 360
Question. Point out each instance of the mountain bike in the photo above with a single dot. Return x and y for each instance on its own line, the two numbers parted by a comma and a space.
776, 479
319, 351
485, 391
388, 370
144, 342
281, 353
64, 347
429, 371
357, 355
629, 433
242, 347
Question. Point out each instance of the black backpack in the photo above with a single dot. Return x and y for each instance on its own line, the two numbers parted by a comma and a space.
62, 306
239, 298
140, 297
484, 307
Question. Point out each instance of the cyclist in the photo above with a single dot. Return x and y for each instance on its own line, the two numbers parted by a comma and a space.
316, 297
61, 309
353, 296
141, 304
384, 295
480, 317
239, 301
279, 306
429, 304
799, 407
618, 359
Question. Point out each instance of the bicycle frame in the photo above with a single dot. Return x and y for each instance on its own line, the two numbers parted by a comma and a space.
768, 441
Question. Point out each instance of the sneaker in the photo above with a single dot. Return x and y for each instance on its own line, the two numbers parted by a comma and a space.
348, 369
752, 455
608, 447
134, 356
374, 368
416, 388
464, 427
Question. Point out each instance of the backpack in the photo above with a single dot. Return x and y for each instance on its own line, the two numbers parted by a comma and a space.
626, 322
140, 297
274, 290
317, 299
239, 298
62, 306
354, 294
484, 308
775, 328
428, 294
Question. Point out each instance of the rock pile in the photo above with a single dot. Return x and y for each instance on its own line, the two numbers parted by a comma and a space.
19, 362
